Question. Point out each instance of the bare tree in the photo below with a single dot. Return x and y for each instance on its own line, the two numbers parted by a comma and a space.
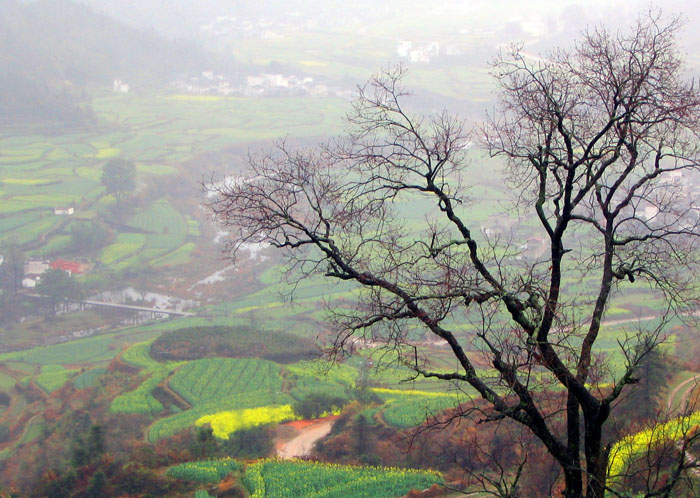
595, 140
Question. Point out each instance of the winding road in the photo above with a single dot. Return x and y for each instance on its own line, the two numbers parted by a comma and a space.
308, 433
686, 387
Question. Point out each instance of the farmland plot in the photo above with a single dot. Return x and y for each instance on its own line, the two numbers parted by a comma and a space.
219, 378
169, 426
205, 471
293, 478
218, 385
166, 227
404, 409
226, 423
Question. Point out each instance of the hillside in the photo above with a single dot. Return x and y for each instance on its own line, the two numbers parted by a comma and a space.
52, 51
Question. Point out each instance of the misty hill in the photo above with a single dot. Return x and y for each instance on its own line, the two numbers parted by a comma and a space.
52, 50
186, 17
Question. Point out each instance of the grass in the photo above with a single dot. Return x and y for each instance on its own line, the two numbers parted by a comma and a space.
7, 382
33, 431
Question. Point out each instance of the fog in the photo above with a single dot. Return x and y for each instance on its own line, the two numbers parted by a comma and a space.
121, 121
54, 52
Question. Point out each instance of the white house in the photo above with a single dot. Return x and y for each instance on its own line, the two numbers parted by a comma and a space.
29, 282
403, 48
120, 87
419, 55
35, 267
63, 211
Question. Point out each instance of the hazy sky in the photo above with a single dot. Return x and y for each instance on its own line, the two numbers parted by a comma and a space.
186, 16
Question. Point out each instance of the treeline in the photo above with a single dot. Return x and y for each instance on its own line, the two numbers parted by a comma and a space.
52, 50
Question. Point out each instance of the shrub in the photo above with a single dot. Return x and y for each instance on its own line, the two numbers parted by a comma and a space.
315, 405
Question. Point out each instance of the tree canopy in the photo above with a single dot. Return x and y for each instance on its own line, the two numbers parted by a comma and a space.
594, 140
119, 177
57, 285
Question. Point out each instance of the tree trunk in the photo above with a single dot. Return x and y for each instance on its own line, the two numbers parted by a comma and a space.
596, 456
573, 482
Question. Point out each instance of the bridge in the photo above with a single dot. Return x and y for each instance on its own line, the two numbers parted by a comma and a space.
132, 307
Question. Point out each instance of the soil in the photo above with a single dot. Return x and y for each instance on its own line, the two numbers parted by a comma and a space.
306, 433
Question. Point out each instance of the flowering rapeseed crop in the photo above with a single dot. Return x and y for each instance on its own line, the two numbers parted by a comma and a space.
637, 444
225, 423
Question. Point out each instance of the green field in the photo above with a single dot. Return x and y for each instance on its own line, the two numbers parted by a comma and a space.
221, 384
205, 471
158, 132
217, 385
141, 399
89, 378
410, 408
220, 378
138, 355
169, 426
53, 377
90, 350
291, 479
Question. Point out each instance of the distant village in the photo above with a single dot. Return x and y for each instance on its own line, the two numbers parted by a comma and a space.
279, 84
283, 85
258, 85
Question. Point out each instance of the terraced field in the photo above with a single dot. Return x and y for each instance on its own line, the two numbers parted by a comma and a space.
634, 446
224, 424
220, 378
159, 133
205, 471
53, 377
294, 478
141, 399
404, 409
171, 425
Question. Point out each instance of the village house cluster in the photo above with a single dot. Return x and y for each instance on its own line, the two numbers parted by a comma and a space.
34, 268
422, 52
256, 85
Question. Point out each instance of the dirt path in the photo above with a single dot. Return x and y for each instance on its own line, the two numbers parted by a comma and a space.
308, 432
687, 386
